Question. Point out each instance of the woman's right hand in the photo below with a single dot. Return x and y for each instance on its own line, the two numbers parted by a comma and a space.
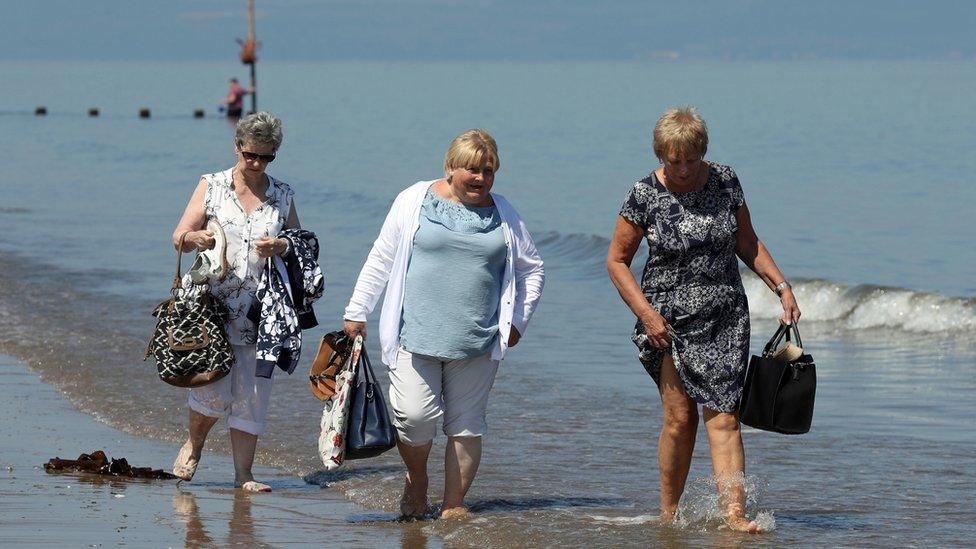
199, 240
353, 328
658, 330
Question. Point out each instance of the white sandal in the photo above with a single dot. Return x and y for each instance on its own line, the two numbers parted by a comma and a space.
182, 469
211, 264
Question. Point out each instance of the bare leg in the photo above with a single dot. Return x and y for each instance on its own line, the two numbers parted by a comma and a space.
243, 445
461, 460
728, 463
677, 441
189, 455
413, 504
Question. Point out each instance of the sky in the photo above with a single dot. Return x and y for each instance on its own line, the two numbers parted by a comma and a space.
179, 30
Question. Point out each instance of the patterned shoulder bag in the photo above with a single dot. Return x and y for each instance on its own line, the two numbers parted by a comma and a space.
190, 343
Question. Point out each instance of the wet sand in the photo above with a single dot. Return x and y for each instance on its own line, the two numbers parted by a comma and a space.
81, 510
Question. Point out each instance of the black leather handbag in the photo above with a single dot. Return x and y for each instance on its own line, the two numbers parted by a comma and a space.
370, 431
780, 386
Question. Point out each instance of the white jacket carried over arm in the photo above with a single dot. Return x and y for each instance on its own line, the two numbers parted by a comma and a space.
386, 267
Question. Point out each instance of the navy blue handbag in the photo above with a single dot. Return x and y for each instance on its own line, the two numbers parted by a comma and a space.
370, 431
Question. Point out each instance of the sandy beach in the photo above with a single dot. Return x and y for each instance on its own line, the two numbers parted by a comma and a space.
81, 510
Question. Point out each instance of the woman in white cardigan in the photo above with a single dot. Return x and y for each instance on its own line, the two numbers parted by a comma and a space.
462, 279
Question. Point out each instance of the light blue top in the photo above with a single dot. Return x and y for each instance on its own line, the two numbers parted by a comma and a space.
454, 279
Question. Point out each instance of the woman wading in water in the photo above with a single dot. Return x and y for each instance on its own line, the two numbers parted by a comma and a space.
249, 205
462, 279
692, 316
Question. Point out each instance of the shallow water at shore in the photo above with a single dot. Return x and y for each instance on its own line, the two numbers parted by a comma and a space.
570, 458
577, 462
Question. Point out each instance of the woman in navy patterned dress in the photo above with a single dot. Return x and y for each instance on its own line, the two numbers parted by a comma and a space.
693, 319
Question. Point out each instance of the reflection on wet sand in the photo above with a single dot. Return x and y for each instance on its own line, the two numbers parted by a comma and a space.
414, 537
185, 507
241, 530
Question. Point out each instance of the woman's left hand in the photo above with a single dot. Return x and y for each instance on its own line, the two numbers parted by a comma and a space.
791, 311
513, 337
268, 246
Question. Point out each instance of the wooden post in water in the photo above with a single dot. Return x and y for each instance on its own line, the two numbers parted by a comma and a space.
254, 90
249, 56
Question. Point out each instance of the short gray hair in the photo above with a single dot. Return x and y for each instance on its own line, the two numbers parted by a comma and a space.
260, 127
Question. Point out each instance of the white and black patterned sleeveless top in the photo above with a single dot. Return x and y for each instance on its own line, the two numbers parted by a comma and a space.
237, 289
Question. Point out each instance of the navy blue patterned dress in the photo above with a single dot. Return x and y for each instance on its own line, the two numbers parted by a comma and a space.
692, 279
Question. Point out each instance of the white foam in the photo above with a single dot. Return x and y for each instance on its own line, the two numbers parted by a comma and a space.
865, 307
766, 520
700, 506
639, 519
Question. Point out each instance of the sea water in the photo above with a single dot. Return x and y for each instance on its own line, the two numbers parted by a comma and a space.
857, 175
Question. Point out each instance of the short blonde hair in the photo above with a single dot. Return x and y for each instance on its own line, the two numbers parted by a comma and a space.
473, 148
681, 130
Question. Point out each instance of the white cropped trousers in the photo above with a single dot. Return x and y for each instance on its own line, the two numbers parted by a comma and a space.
424, 389
239, 396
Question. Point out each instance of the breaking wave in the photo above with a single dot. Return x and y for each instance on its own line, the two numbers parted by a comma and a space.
865, 307
855, 307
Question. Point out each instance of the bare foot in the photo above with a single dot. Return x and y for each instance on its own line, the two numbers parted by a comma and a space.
413, 503
668, 517
742, 524
455, 513
254, 486
186, 463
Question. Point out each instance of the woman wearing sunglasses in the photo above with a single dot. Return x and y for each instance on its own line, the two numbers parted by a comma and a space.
249, 205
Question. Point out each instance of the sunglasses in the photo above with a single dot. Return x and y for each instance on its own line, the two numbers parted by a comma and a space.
252, 156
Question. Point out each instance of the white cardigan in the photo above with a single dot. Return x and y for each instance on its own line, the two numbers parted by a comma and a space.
386, 266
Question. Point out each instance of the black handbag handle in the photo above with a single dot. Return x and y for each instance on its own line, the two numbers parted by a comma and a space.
366, 366
796, 332
788, 330
369, 378
774, 341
